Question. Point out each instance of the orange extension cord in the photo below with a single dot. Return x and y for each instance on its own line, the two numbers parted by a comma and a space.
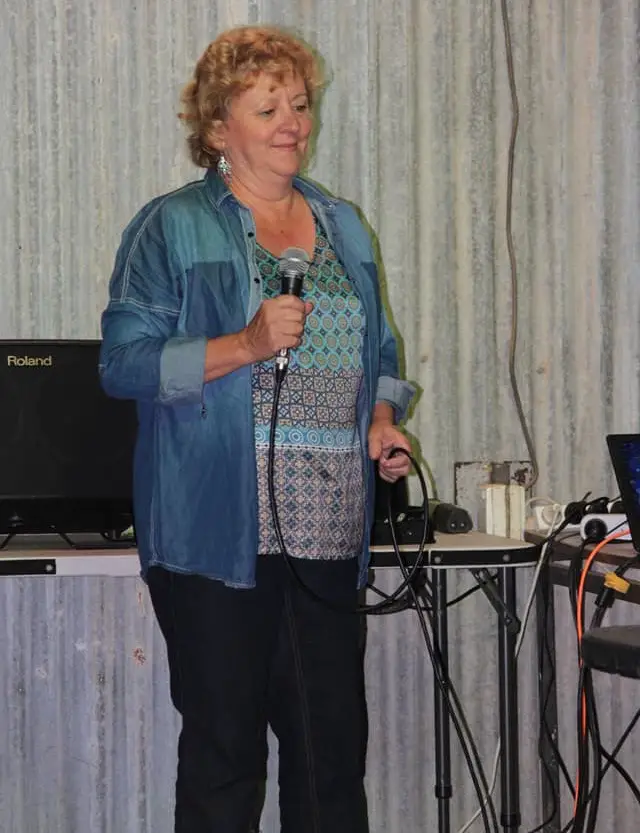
580, 603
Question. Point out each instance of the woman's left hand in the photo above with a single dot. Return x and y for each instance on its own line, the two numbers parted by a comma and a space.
383, 437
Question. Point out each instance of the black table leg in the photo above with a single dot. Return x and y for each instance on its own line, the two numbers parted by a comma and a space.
441, 713
548, 698
508, 682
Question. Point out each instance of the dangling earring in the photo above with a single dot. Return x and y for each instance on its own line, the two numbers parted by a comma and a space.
224, 168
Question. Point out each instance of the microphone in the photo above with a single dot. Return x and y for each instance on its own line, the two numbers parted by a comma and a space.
292, 267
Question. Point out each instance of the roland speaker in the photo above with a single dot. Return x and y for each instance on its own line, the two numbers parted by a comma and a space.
596, 527
66, 449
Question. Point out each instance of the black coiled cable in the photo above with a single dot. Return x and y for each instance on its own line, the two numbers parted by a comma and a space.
389, 604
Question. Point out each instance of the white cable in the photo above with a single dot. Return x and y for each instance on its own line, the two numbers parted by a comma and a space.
548, 501
541, 510
492, 786
527, 612
536, 577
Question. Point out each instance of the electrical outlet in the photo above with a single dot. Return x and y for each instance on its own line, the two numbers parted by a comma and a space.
545, 515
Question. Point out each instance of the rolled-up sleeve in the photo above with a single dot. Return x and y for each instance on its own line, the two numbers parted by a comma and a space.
391, 388
182, 370
397, 393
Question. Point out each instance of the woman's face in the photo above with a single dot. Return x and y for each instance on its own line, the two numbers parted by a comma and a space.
267, 130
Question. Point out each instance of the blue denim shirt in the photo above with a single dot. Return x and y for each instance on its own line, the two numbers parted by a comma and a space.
185, 272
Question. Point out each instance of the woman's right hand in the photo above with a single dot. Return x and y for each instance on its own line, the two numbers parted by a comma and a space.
278, 323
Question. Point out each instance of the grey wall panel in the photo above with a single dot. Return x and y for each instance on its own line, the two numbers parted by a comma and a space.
87, 724
88, 734
415, 129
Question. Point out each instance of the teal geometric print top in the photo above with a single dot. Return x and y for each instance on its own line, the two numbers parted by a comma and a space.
318, 465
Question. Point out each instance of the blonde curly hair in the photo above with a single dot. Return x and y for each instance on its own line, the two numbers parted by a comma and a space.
230, 65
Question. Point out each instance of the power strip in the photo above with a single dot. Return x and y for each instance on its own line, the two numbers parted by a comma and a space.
549, 514
598, 526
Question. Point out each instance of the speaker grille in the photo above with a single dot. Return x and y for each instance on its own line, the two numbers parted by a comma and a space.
61, 437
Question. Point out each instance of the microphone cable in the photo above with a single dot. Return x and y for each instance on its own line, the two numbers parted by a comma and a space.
389, 604
407, 603
452, 700
293, 266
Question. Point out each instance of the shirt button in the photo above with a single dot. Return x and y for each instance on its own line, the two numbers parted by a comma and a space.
250, 234
256, 280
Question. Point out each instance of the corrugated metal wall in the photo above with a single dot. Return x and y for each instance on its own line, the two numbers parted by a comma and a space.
415, 129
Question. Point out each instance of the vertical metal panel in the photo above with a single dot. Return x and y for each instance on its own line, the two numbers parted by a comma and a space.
88, 734
415, 127
87, 727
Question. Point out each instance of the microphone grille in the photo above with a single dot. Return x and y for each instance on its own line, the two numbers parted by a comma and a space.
294, 260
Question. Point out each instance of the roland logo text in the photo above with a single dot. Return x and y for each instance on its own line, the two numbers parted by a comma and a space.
30, 361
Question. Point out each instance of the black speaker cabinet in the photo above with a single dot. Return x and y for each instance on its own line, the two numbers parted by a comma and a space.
66, 449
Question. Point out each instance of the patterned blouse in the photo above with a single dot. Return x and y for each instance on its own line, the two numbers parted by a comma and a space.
318, 476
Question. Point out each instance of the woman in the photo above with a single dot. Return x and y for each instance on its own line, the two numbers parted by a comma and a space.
194, 320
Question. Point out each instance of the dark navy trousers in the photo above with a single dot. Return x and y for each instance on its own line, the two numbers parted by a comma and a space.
241, 660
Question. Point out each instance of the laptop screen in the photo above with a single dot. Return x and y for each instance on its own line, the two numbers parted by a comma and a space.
625, 458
